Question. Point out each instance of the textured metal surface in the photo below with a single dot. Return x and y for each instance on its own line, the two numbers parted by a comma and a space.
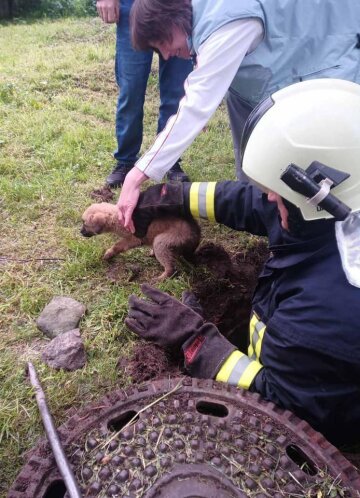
205, 440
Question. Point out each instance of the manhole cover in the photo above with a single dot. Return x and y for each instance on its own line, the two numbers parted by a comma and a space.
189, 438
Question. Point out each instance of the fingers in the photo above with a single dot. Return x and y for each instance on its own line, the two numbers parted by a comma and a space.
129, 197
117, 12
129, 224
156, 295
120, 215
108, 13
186, 296
126, 205
140, 308
189, 299
121, 209
135, 326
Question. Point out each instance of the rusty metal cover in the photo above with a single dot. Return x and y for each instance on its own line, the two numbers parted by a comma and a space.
189, 438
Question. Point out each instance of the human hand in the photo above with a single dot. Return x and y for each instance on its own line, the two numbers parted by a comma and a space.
108, 10
129, 197
162, 319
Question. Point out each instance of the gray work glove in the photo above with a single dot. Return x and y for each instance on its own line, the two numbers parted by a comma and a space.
169, 323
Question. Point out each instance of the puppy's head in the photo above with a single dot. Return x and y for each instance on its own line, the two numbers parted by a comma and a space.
97, 219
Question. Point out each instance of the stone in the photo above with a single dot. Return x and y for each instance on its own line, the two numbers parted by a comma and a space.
66, 351
60, 315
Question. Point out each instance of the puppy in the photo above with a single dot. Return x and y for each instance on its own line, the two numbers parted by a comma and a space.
169, 236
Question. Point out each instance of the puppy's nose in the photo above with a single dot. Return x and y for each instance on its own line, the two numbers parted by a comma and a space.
85, 233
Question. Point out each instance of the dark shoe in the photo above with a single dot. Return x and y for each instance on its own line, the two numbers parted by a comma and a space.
117, 176
176, 174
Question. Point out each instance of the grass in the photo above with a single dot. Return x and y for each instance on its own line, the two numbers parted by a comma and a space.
57, 104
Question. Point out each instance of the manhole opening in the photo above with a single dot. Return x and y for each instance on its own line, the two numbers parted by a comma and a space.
115, 424
57, 489
213, 409
301, 460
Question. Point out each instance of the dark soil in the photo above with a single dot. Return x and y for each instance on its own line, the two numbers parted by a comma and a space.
149, 362
225, 292
224, 284
103, 194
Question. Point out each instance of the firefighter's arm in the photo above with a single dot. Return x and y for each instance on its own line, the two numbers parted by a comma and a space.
237, 205
239, 370
210, 355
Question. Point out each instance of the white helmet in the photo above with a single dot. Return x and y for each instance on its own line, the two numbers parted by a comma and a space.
315, 120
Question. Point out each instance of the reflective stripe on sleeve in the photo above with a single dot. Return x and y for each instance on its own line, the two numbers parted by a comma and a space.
256, 330
202, 200
239, 370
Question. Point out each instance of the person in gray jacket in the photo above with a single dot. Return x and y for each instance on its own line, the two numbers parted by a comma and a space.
247, 50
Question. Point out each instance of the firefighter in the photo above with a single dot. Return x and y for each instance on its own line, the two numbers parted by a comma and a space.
302, 159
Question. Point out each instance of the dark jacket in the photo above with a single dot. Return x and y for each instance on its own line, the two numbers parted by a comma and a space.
310, 350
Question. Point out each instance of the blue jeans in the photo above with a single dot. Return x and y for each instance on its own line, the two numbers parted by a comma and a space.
132, 69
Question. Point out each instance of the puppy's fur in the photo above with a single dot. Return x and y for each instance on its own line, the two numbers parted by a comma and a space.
169, 237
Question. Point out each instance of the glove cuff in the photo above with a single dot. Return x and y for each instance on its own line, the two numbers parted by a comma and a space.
205, 353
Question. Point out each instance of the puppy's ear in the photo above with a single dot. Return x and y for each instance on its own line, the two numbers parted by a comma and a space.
99, 221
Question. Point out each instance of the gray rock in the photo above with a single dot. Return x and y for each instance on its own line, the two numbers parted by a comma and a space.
60, 315
65, 351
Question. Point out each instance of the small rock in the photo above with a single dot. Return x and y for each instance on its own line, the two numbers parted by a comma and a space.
60, 315
65, 351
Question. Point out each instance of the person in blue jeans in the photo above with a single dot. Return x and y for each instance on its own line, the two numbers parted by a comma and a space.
132, 69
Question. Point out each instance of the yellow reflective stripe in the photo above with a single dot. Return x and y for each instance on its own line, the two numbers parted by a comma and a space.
225, 371
239, 370
249, 374
253, 322
251, 352
194, 199
259, 342
256, 332
202, 200
210, 201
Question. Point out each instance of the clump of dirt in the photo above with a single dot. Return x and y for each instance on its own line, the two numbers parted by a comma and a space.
118, 271
103, 194
224, 284
149, 362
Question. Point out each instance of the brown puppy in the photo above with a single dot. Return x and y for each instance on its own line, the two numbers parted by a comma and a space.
169, 237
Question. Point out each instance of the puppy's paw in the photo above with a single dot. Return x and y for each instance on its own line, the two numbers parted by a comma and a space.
170, 273
109, 254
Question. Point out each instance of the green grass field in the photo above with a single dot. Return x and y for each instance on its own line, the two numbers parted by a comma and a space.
57, 105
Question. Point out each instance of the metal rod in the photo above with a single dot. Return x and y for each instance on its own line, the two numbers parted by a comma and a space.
53, 437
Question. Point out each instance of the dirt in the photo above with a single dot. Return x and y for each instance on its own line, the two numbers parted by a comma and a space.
226, 291
224, 285
103, 194
149, 362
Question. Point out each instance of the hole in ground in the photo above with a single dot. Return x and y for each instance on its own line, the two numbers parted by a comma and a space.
213, 409
301, 460
119, 422
57, 489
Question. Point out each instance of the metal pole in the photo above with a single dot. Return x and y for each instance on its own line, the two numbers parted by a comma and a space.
53, 437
